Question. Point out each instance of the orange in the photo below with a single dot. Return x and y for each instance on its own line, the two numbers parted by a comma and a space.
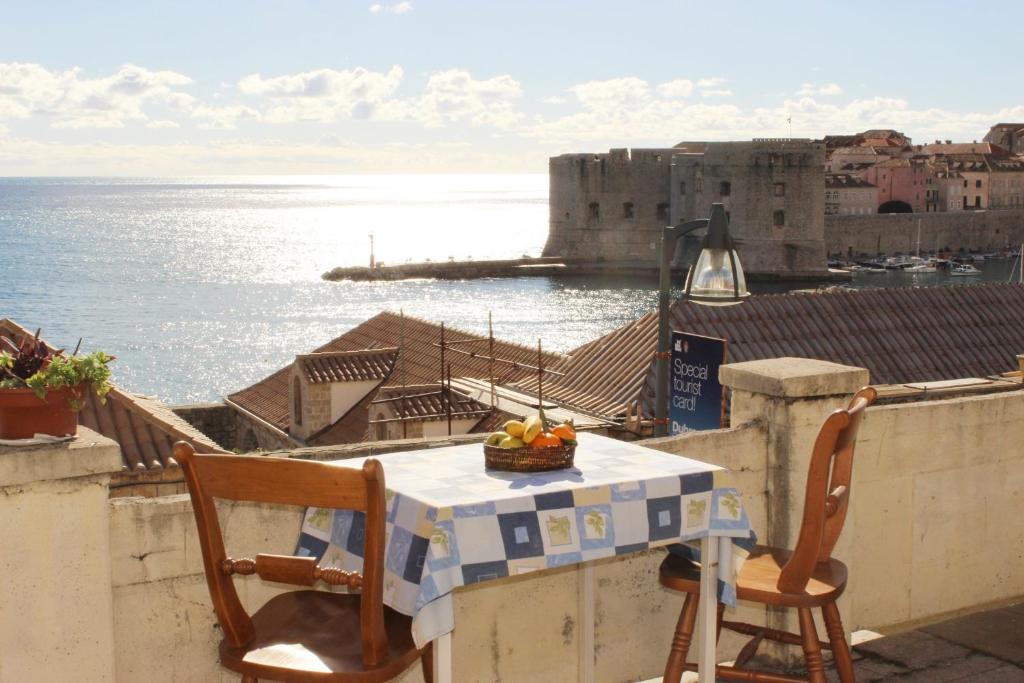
564, 431
545, 440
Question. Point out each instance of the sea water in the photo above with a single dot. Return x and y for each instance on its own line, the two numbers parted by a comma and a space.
202, 286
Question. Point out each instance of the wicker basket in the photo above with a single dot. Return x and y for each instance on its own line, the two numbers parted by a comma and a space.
529, 459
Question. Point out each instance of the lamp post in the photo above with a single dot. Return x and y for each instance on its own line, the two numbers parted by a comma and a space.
715, 279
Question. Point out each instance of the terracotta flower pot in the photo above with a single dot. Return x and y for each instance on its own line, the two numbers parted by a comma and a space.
23, 414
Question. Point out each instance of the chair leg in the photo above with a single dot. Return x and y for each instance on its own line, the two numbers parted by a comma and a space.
837, 638
427, 661
812, 647
681, 640
718, 627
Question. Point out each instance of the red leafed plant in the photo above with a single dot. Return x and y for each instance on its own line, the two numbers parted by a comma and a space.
33, 365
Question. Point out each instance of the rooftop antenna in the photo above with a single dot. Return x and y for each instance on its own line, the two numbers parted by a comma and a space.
490, 359
404, 406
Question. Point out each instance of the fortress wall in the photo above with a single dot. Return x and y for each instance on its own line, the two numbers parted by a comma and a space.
608, 182
754, 180
894, 233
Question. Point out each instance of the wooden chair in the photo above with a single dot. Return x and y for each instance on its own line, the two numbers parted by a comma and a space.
308, 635
805, 578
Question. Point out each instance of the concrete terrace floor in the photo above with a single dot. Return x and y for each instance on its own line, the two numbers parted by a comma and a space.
986, 646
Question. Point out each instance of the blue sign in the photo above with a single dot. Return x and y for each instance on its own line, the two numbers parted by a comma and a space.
695, 395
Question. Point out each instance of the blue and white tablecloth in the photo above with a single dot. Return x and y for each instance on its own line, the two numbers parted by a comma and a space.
451, 522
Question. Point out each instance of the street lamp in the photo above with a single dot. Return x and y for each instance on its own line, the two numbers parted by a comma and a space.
715, 279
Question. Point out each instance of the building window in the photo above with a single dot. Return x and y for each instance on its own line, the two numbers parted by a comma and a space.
682, 187
593, 212
977, 202
965, 182
977, 183
627, 210
779, 189
662, 212
297, 400
779, 218
724, 188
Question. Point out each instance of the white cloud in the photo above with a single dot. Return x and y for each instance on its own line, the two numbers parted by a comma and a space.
391, 8
323, 95
226, 117
676, 89
164, 123
716, 93
71, 101
710, 82
810, 89
454, 95
553, 100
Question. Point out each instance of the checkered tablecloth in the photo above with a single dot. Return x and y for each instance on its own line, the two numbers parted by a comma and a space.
451, 522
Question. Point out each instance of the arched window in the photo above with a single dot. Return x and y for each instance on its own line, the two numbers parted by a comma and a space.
779, 219
297, 399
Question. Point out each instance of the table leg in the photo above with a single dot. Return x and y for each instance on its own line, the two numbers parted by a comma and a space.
443, 659
585, 575
708, 613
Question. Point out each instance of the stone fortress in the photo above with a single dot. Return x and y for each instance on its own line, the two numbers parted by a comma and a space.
610, 208
613, 206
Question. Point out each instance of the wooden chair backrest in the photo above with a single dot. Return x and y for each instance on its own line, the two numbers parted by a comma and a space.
828, 492
287, 482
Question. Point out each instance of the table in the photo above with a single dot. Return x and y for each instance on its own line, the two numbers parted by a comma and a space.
451, 522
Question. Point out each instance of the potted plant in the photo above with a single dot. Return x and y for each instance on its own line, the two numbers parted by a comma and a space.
42, 389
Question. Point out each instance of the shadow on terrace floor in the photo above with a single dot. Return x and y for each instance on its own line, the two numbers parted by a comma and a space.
986, 646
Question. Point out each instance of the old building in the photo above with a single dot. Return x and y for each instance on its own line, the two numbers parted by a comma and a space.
1009, 136
1006, 182
349, 390
613, 207
901, 184
849, 195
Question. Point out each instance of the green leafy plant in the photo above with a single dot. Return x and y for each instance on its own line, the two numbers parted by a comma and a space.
33, 365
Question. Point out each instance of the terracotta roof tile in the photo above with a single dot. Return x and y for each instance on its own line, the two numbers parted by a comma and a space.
268, 398
424, 402
900, 335
347, 366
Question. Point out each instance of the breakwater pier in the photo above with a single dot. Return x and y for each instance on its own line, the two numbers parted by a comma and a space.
545, 266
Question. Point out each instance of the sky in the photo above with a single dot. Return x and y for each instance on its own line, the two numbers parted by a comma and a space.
430, 86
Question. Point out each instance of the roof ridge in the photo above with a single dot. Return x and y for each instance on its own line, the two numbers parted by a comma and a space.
497, 339
356, 352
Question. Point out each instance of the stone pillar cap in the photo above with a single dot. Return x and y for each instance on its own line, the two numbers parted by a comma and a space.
91, 454
793, 377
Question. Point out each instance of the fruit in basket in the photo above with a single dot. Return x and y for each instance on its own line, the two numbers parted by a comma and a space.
496, 438
565, 432
533, 426
514, 428
511, 442
545, 440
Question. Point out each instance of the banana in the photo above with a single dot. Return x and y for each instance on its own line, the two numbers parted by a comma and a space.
514, 428
511, 442
533, 426
496, 438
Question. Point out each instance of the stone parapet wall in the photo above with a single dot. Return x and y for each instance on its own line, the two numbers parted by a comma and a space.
897, 233
932, 528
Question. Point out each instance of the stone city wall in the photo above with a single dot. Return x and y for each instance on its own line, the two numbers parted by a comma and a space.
216, 420
897, 232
